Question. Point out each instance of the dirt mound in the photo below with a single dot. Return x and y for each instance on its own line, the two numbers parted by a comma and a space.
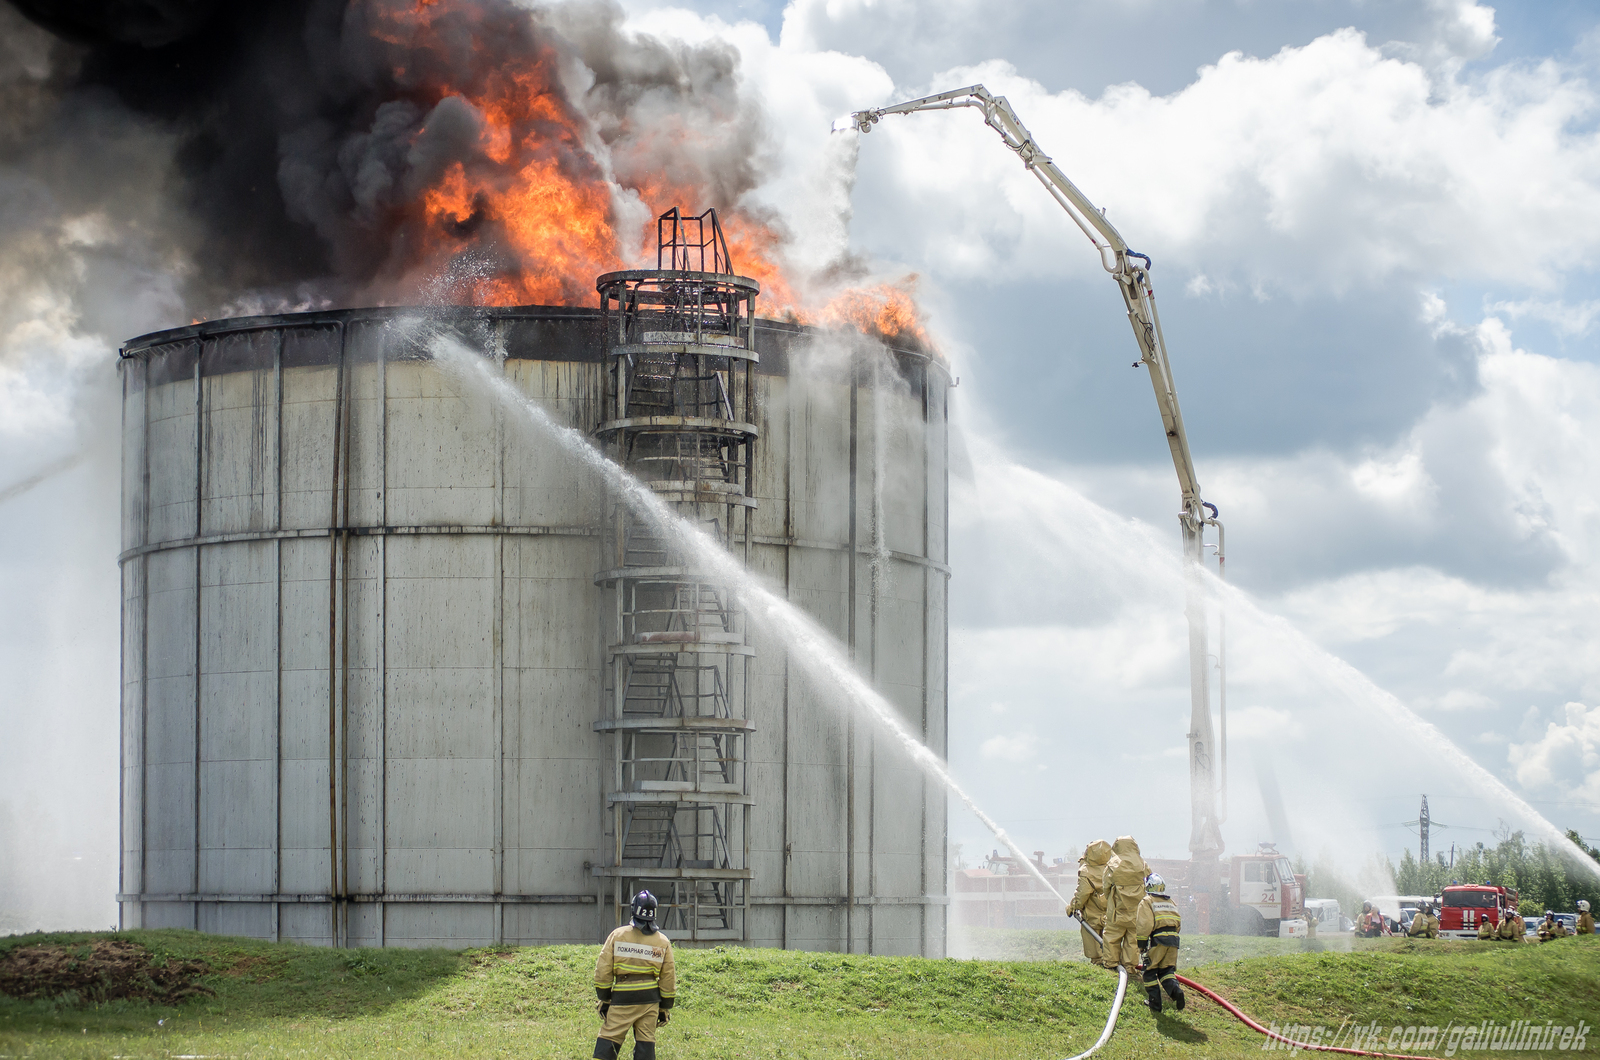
99, 971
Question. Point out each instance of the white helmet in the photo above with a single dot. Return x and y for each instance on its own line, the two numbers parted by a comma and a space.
1155, 884
1583, 906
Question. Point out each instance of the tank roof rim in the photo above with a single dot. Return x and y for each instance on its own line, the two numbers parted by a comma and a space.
209, 329
326, 317
606, 279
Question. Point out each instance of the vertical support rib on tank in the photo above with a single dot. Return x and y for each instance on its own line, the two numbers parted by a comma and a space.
680, 415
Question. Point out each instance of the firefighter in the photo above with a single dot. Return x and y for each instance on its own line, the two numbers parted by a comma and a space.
1369, 925
1551, 928
1585, 921
1158, 923
1424, 925
635, 983
1087, 902
1511, 927
1122, 889
1486, 930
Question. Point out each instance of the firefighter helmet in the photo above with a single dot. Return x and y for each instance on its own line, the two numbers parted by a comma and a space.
644, 912
1583, 906
1155, 884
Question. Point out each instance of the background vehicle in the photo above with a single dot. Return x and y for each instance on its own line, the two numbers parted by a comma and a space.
1264, 891
1329, 916
1464, 906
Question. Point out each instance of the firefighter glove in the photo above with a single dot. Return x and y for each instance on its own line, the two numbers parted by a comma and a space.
602, 1007
664, 1017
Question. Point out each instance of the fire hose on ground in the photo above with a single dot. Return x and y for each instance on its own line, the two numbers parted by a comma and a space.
1233, 1010
1225, 1004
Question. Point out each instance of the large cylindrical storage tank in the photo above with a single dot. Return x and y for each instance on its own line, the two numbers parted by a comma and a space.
366, 643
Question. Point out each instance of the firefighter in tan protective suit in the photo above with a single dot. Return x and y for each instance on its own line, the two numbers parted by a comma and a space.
1424, 925
1550, 928
1159, 923
1511, 927
1087, 902
1122, 889
635, 982
1585, 920
1486, 930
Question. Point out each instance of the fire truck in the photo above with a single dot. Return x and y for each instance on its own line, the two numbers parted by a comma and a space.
1465, 906
1264, 891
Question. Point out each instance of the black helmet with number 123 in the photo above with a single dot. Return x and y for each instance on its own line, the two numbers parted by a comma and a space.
644, 912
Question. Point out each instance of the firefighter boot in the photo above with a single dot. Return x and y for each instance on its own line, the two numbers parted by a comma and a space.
606, 1049
1153, 992
1175, 992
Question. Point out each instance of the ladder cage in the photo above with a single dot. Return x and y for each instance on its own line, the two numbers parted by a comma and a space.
683, 761
679, 251
680, 406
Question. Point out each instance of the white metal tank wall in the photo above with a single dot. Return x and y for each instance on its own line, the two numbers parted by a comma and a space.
362, 652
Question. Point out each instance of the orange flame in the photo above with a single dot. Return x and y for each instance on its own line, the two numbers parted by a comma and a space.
886, 310
527, 215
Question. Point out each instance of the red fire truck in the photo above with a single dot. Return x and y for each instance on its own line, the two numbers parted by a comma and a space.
1264, 891
1464, 906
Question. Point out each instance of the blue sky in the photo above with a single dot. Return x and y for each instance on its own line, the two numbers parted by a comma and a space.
1376, 229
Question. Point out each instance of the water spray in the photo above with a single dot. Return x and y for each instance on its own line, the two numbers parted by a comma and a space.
816, 653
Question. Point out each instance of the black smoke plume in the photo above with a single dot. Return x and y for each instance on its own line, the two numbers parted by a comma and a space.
270, 155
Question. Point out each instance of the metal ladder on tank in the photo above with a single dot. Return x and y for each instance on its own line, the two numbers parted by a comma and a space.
680, 395
655, 689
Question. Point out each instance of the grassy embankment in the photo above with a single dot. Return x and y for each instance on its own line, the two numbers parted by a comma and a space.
537, 1003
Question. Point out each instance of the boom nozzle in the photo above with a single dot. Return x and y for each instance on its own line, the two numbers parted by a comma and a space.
859, 120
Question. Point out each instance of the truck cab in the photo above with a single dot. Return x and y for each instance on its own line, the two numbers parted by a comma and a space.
1463, 907
1265, 891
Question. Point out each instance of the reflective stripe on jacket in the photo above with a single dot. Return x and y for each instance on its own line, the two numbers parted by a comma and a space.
1158, 921
635, 968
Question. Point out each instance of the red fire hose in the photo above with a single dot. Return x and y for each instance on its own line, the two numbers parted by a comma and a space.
1253, 1025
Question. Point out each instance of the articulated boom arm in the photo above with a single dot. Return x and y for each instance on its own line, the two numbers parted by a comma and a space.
1133, 279
1115, 257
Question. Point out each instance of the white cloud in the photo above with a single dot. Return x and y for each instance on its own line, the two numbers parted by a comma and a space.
1567, 756
1457, 699
1568, 320
1008, 748
1394, 480
1329, 165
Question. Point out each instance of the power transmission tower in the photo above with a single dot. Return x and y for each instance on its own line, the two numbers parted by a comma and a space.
1422, 827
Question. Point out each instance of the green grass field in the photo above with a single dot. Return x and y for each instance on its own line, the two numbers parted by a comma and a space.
292, 1001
